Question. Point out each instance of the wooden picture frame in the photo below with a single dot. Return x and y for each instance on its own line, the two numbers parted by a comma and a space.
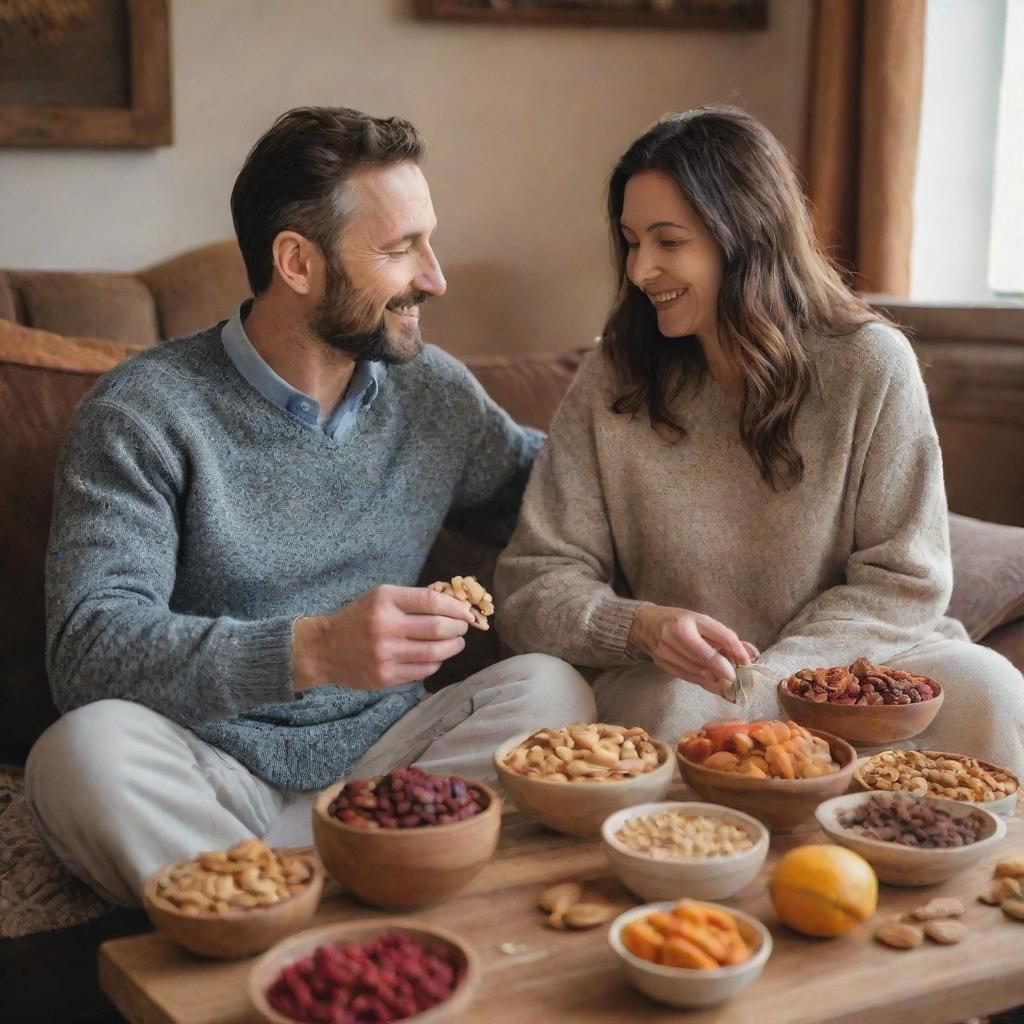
696, 14
143, 117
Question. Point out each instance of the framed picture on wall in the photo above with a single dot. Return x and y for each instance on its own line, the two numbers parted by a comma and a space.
711, 14
85, 73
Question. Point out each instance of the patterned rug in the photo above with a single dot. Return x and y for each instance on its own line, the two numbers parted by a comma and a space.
36, 893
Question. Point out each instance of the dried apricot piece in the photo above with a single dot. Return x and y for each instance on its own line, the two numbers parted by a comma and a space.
643, 941
722, 761
678, 952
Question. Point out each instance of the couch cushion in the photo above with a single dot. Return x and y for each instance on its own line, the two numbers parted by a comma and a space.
42, 378
528, 387
198, 288
988, 574
116, 306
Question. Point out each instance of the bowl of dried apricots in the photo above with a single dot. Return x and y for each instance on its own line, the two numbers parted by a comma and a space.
778, 772
689, 953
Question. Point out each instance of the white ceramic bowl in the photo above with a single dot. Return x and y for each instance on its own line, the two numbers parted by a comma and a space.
579, 808
910, 865
707, 878
681, 986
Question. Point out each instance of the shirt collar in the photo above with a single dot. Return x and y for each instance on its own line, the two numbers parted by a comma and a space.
361, 391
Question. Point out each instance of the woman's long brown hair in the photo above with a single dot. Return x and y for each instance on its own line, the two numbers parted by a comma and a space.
776, 283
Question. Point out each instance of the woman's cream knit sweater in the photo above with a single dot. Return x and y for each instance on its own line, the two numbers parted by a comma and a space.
852, 562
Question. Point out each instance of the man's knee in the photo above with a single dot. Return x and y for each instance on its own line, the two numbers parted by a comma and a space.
86, 747
556, 685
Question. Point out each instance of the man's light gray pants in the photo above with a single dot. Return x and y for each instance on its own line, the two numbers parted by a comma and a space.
118, 790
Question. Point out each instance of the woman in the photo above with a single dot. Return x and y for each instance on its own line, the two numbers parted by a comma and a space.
747, 459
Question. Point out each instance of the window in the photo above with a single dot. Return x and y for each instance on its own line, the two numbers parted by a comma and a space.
1006, 250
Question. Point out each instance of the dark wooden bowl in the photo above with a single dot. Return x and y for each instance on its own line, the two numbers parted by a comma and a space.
871, 724
406, 867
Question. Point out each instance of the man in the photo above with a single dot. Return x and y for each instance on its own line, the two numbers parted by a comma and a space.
241, 516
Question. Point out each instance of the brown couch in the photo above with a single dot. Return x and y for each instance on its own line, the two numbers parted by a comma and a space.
64, 329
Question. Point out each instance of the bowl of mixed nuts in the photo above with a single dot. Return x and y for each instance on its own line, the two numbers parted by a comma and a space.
571, 779
911, 840
667, 850
862, 702
937, 774
233, 903
408, 838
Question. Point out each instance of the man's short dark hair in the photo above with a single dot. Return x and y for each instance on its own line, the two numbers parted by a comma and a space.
294, 178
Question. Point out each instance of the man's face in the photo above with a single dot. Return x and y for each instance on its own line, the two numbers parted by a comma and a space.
385, 267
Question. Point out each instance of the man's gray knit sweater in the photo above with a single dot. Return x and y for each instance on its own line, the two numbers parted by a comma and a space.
194, 521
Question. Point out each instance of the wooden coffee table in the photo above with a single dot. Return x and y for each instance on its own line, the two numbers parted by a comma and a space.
534, 975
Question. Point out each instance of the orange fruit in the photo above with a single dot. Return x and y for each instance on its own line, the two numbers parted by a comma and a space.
823, 890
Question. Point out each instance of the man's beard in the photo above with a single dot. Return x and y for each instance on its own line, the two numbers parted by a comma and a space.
347, 320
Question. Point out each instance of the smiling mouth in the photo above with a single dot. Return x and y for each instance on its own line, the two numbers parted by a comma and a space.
409, 312
662, 299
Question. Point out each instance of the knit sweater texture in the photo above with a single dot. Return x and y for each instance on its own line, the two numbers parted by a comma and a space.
194, 521
854, 561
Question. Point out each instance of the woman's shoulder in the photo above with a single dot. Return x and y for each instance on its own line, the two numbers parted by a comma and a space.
872, 356
595, 379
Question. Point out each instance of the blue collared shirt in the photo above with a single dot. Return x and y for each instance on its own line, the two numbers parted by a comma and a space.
362, 388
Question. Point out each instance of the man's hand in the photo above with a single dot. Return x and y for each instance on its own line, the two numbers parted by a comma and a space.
686, 645
390, 636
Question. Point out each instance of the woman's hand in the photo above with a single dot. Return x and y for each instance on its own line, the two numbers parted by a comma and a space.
690, 646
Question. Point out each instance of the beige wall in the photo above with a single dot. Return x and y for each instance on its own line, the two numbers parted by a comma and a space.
523, 126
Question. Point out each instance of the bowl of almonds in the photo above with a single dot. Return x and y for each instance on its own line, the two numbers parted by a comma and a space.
911, 840
571, 779
862, 702
667, 850
233, 903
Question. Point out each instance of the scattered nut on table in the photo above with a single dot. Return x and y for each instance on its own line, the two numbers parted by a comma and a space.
947, 931
1001, 889
1014, 907
588, 915
1010, 868
557, 899
938, 908
899, 934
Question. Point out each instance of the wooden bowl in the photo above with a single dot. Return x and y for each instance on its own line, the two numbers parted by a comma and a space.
579, 808
238, 933
265, 971
779, 803
910, 865
406, 867
862, 723
1005, 805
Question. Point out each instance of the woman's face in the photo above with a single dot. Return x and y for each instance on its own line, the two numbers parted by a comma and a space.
672, 257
